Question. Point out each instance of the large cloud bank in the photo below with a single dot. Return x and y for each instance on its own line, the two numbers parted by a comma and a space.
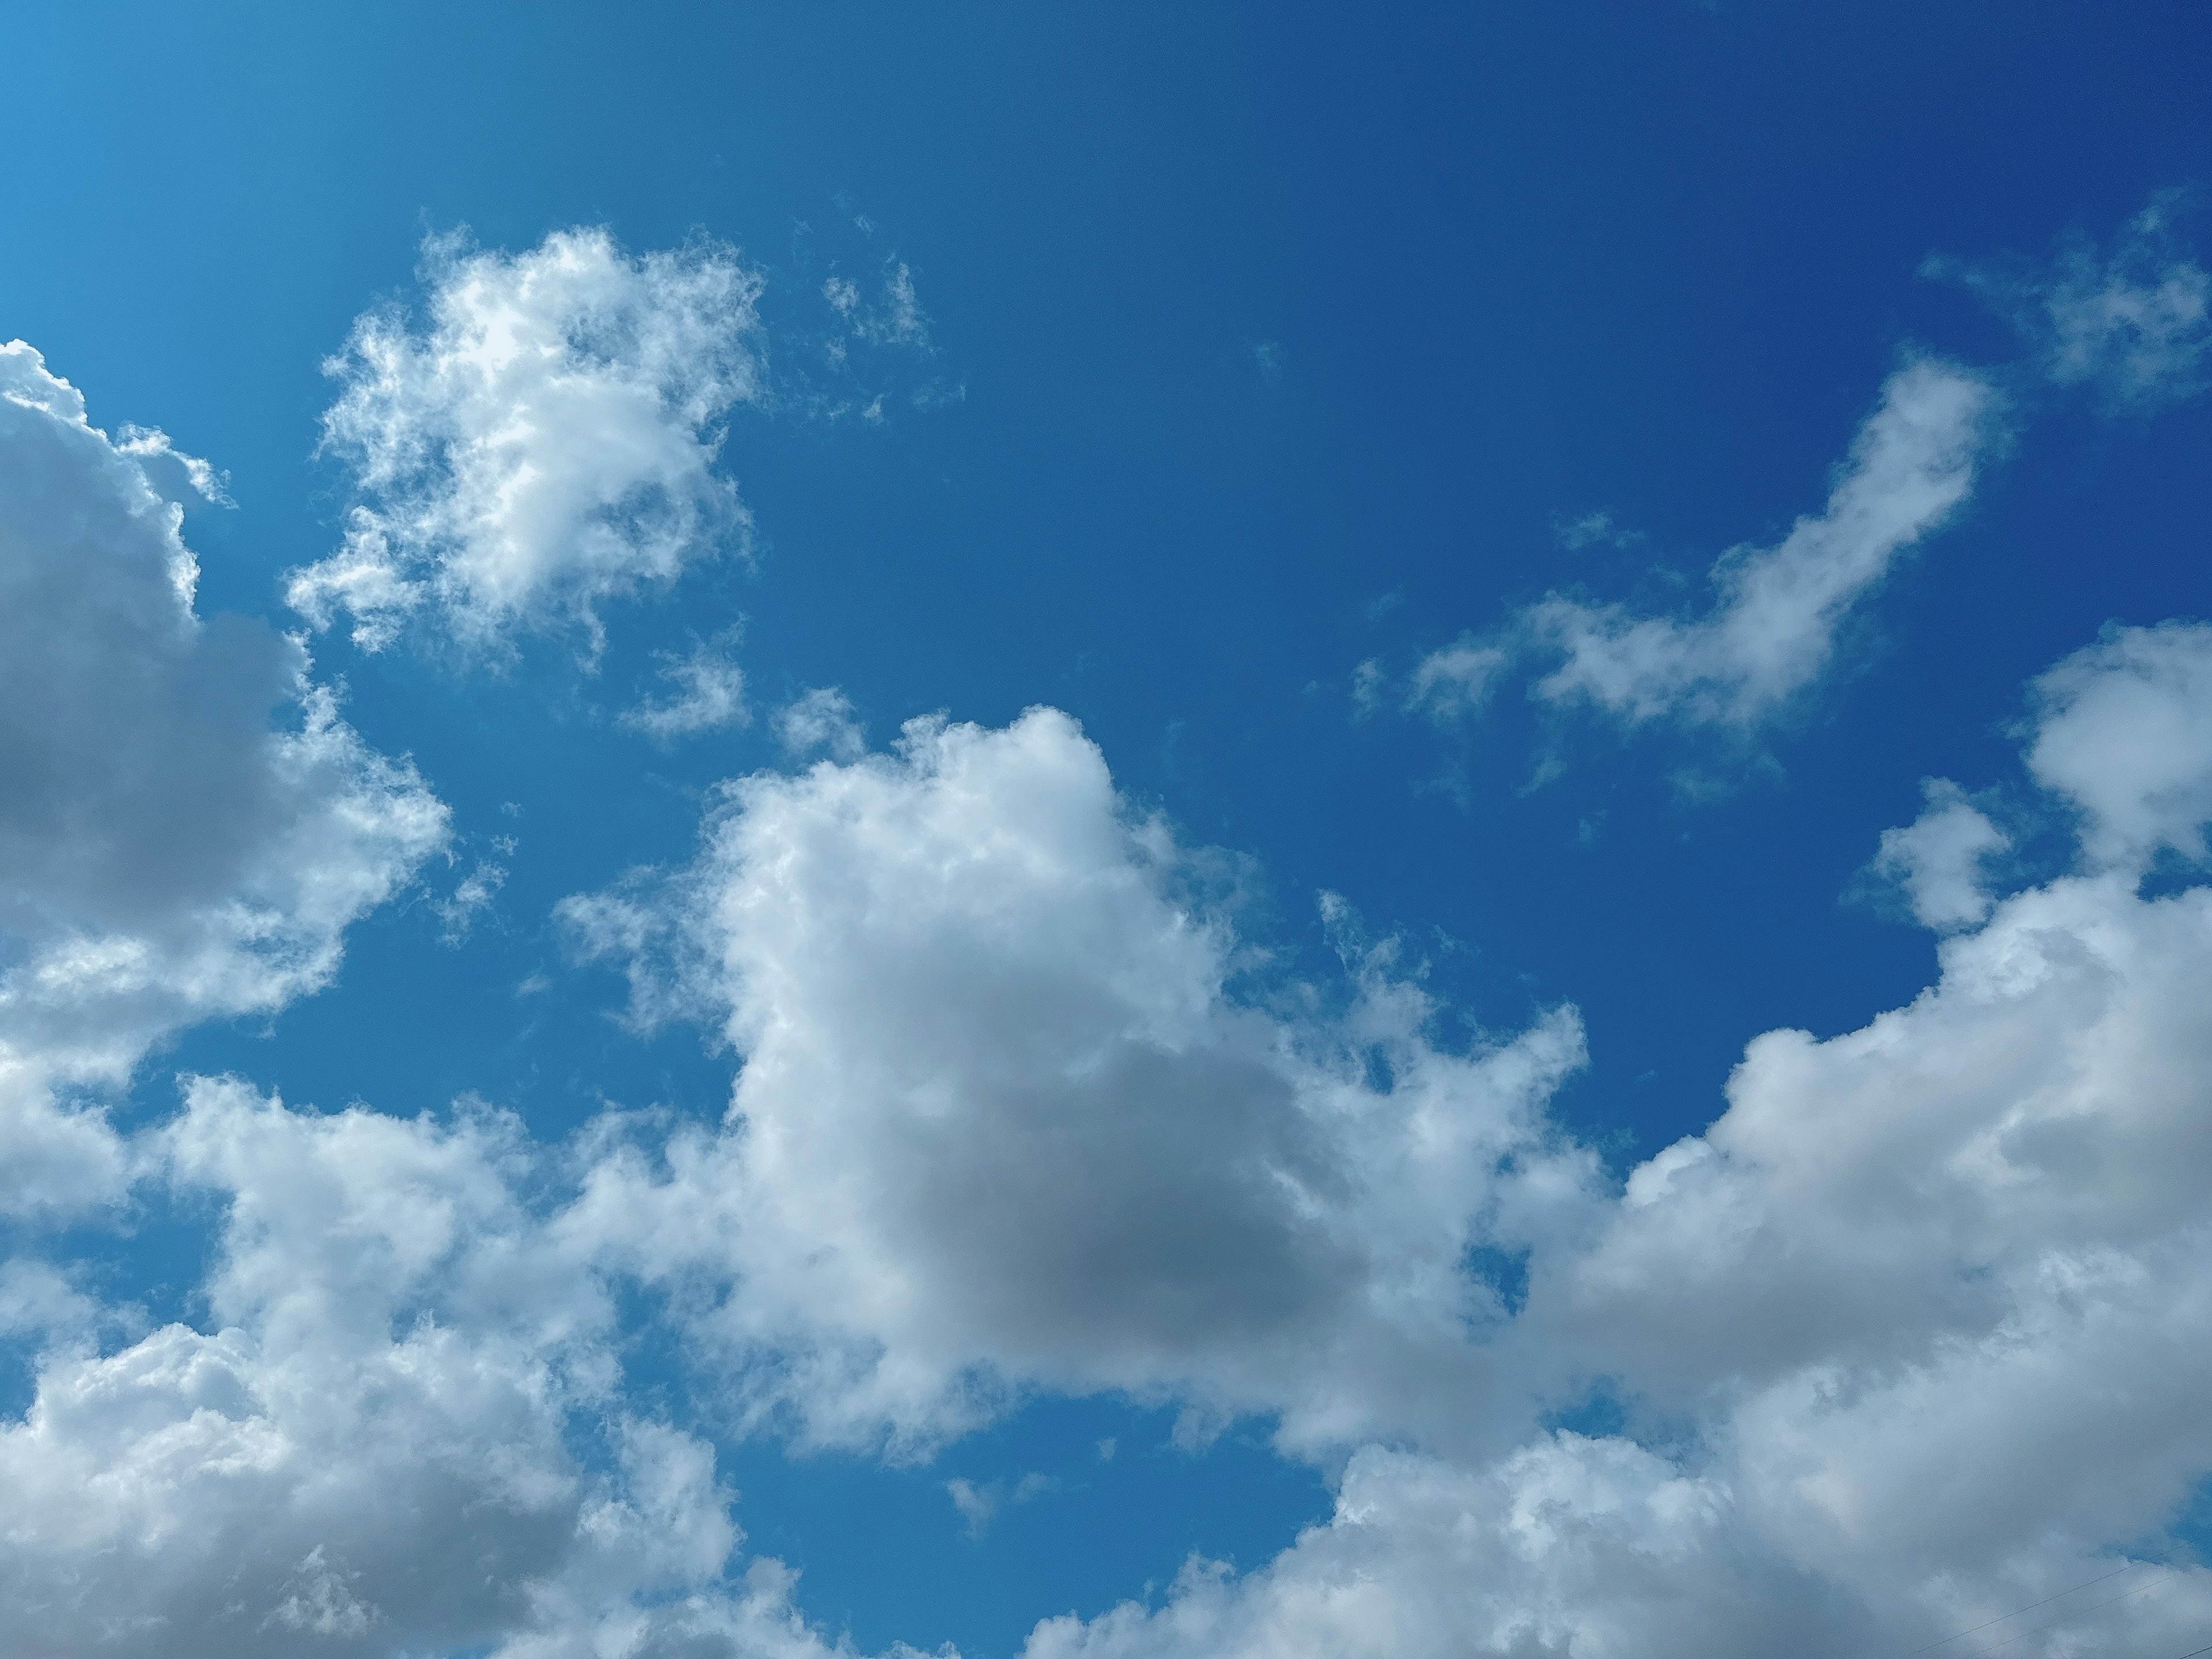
1908, 1338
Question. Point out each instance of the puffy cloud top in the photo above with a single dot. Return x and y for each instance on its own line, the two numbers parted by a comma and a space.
545, 443
187, 826
1000, 1119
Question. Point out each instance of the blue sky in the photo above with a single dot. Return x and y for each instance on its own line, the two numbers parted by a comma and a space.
1464, 575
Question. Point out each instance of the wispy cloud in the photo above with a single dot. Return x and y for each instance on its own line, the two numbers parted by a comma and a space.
2133, 324
709, 694
1771, 626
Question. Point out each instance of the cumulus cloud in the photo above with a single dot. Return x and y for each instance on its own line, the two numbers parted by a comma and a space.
2133, 326
372, 1448
544, 441
709, 695
188, 826
1908, 1339
1771, 628
1938, 859
1002, 1121
2126, 734
1906, 1342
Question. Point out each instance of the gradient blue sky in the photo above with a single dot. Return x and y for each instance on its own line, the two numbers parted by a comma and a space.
1263, 343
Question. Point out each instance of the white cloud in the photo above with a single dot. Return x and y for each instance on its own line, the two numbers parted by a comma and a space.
895, 319
979, 1505
189, 827
370, 1449
472, 897
2126, 734
2135, 326
1772, 626
1907, 1342
1001, 1121
1938, 859
820, 722
1908, 1338
709, 695
545, 443
1591, 530
1452, 683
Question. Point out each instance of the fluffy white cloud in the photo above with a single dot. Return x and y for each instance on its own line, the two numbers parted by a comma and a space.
1771, 628
187, 828
1000, 1119
545, 443
1907, 1342
1938, 860
372, 1448
2134, 326
2125, 734
1908, 1339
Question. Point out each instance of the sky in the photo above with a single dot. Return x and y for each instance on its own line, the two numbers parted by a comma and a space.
1106, 832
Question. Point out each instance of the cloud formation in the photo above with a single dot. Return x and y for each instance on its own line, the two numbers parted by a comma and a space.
709, 694
1002, 1120
2133, 327
1016, 1107
1938, 859
2124, 732
188, 827
545, 441
1771, 627
1904, 1343
375, 1448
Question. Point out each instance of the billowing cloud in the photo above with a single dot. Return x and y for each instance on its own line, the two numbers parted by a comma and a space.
1002, 1118
373, 1446
187, 826
1907, 1340
1906, 1343
1771, 628
545, 441
2125, 734
1938, 859
2133, 326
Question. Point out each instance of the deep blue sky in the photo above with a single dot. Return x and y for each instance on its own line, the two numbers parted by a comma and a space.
1515, 262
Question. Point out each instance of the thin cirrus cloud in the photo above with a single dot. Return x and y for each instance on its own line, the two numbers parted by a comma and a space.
2132, 325
545, 441
707, 693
